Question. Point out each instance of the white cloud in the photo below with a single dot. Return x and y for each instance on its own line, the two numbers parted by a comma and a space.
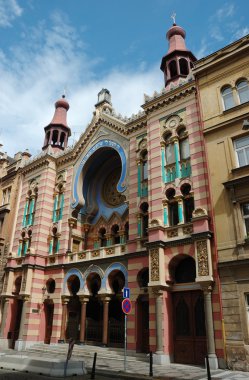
203, 49
47, 59
241, 32
215, 32
9, 11
226, 11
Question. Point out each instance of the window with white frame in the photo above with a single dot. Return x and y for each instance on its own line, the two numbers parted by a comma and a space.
245, 214
241, 146
243, 91
227, 96
6, 196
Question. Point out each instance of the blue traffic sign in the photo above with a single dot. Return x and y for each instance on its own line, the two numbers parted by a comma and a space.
126, 306
126, 293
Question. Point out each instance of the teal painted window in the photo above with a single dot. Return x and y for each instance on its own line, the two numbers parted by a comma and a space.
29, 212
58, 207
177, 157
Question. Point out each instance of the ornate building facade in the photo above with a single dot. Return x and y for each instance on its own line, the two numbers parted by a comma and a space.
224, 76
127, 205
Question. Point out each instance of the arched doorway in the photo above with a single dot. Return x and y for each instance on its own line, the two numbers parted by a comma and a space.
116, 316
142, 313
16, 312
190, 345
49, 311
94, 310
74, 309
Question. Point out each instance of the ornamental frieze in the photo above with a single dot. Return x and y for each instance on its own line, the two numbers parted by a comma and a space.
154, 256
202, 258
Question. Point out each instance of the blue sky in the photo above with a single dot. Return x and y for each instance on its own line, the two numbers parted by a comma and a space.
85, 45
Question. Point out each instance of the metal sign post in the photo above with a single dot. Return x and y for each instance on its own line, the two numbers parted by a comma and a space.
126, 307
125, 344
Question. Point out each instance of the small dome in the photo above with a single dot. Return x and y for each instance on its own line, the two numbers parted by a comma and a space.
176, 30
62, 103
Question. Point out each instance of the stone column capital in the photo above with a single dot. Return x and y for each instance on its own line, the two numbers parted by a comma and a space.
84, 299
65, 299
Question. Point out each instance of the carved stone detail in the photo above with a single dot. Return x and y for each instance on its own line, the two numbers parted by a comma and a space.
187, 230
109, 251
81, 256
172, 233
202, 258
95, 253
154, 255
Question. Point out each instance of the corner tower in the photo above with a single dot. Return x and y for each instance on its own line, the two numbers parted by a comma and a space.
58, 132
178, 61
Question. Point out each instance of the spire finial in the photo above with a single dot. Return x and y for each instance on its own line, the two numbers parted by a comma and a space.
173, 16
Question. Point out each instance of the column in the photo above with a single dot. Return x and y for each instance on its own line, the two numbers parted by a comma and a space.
106, 301
139, 225
163, 162
213, 362
71, 223
180, 209
159, 339
165, 213
139, 178
83, 301
5, 308
86, 230
176, 151
64, 319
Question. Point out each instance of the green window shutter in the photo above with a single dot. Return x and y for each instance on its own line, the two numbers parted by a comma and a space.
25, 247
55, 208
139, 180
25, 214
32, 204
19, 249
61, 206
50, 246
58, 246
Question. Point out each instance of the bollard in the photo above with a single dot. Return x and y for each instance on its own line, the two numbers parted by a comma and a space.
151, 364
208, 369
94, 365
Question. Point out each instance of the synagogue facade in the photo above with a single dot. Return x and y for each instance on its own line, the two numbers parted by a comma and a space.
129, 205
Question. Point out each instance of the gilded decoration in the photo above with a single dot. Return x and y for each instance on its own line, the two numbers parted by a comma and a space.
154, 256
81, 256
110, 193
202, 258
51, 260
95, 253
109, 251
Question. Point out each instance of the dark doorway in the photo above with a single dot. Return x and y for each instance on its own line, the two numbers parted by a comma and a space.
143, 324
18, 306
73, 322
49, 315
116, 323
189, 327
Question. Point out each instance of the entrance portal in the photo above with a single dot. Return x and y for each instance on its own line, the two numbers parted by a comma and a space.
49, 314
143, 324
18, 305
189, 327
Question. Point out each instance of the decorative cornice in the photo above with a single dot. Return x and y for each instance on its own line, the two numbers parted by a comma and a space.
166, 98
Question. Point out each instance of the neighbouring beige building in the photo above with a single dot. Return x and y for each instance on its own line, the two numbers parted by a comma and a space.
223, 87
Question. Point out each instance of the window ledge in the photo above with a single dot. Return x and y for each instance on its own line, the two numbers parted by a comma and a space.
236, 107
240, 169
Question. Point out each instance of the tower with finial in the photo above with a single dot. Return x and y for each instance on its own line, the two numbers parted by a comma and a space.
58, 132
178, 61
